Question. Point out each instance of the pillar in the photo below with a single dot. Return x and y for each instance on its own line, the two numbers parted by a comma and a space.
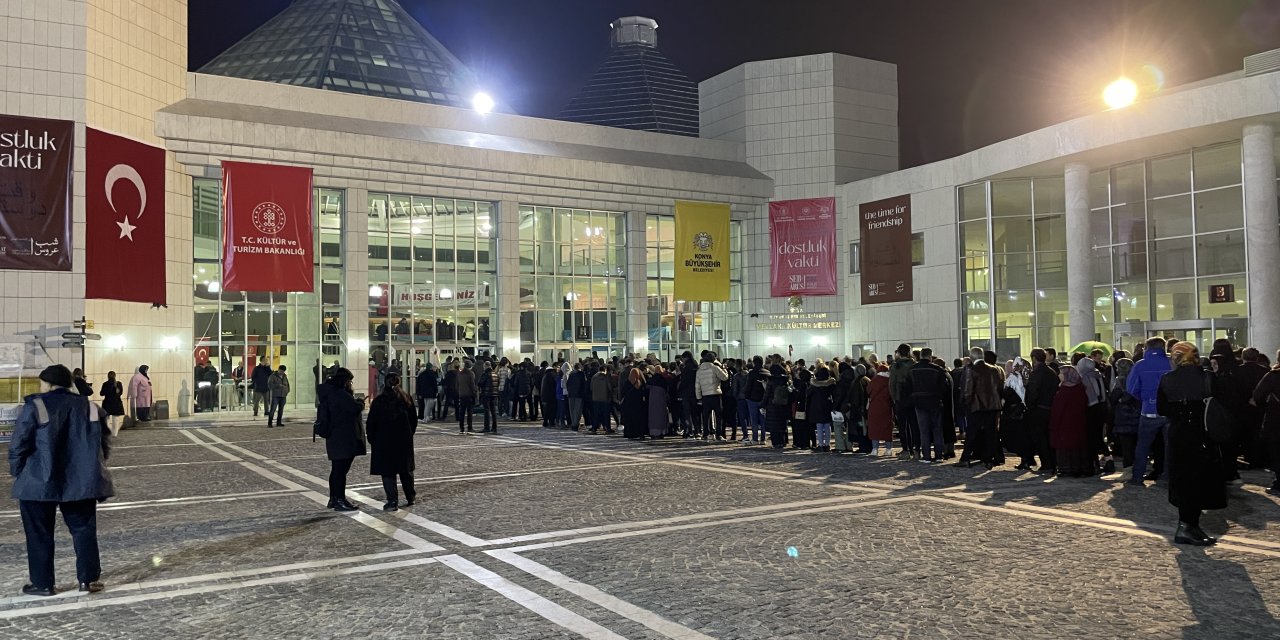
507, 331
356, 275
1079, 271
1262, 237
637, 283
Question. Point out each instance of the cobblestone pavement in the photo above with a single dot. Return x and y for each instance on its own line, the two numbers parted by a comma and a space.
219, 531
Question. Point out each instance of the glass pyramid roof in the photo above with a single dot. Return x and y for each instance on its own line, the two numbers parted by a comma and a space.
370, 47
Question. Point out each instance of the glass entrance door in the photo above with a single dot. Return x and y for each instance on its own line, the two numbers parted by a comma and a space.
1202, 333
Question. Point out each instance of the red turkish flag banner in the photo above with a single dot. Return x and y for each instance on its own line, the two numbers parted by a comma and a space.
124, 219
802, 237
266, 236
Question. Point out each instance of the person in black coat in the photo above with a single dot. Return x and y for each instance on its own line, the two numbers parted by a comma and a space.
777, 403
547, 396
112, 393
1042, 388
635, 405
391, 426
340, 414
1196, 478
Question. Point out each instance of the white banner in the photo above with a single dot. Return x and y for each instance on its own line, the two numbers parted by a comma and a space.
408, 295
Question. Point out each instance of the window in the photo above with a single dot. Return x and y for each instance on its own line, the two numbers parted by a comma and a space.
855, 259
917, 249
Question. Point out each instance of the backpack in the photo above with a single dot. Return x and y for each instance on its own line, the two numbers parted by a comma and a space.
781, 396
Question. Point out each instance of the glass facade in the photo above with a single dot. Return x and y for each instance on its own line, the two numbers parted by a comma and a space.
573, 283
431, 279
234, 331
676, 326
1162, 231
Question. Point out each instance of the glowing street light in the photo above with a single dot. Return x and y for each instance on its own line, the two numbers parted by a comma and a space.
1120, 93
482, 102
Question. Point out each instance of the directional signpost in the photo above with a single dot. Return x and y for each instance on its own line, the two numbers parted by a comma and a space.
73, 339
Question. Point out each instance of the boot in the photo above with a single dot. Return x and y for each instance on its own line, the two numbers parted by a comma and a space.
1192, 535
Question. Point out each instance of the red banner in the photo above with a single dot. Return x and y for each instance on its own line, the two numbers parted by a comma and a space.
802, 237
35, 193
886, 250
124, 219
266, 237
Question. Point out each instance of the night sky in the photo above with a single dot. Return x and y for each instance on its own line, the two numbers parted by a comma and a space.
970, 72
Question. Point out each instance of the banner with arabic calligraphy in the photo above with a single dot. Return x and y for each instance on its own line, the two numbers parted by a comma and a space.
35, 193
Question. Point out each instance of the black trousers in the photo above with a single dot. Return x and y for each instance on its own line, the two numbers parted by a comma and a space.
711, 406
38, 521
466, 412
1038, 419
338, 478
523, 409
982, 440
490, 406
549, 413
389, 487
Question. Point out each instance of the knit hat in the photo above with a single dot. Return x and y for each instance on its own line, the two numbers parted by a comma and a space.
57, 375
1185, 354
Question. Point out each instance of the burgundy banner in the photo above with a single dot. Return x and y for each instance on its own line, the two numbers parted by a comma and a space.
886, 250
266, 240
35, 193
803, 240
124, 219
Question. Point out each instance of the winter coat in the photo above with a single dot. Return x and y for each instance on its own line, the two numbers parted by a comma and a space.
1144, 379
1042, 387
818, 402
578, 386
929, 386
1095, 386
708, 379
549, 379
756, 383
111, 403
279, 384
341, 412
738, 384
487, 383
83, 387
635, 410
522, 382
1066, 422
880, 408
982, 386
899, 373
465, 384
776, 417
140, 390
1196, 478
602, 387
450, 383
260, 378
428, 383
1126, 411
390, 428
1267, 397
62, 459
658, 418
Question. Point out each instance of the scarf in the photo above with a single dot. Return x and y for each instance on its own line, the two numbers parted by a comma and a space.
1015, 381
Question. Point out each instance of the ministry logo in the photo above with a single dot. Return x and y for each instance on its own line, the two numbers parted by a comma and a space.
703, 241
269, 218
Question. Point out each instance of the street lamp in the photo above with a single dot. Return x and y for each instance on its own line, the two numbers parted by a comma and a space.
1120, 93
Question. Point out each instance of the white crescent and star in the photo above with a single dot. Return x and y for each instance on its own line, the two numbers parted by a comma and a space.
126, 172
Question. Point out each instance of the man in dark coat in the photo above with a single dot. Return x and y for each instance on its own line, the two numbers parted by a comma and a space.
391, 426
1042, 388
929, 387
260, 381
58, 461
340, 414
1266, 397
547, 396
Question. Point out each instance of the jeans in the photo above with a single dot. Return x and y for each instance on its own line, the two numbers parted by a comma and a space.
535, 403
490, 406
824, 434
711, 407
756, 420
338, 478
523, 409
562, 411
930, 421
466, 412
600, 415
908, 432
38, 520
277, 410
575, 413
1148, 430
263, 398
742, 416
389, 487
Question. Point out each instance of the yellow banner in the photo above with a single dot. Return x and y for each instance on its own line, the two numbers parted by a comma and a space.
702, 251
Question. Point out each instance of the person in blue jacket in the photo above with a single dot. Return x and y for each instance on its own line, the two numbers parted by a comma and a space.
1144, 381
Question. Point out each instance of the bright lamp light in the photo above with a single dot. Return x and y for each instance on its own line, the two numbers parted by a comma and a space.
115, 343
169, 343
375, 291
482, 102
1120, 93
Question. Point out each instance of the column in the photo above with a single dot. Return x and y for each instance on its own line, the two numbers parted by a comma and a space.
355, 269
1079, 271
637, 283
507, 228
1262, 238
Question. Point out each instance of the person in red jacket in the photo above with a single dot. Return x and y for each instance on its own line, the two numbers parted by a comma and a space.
1067, 432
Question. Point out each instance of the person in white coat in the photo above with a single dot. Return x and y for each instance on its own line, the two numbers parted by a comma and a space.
707, 385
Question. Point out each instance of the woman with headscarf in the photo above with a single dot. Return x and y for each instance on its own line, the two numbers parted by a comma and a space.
880, 412
1126, 410
659, 418
1095, 414
635, 405
1068, 434
338, 422
1013, 418
390, 429
140, 394
1194, 462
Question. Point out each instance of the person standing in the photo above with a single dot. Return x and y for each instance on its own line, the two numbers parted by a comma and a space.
58, 461
929, 388
466, 390
658, 417
279, 385
777, 406
708, 388
1042, 388
983, 383
260, 382
601, 400
522, 381
1095, 415
427, 387
818, 406
391, 426
1068, 433
635, 405
82, 386
339, 417
691, 416
1196, 478
739, 382
904, 413
547, 396
577, 391
1144, 383
140, 394
487, 385
1126, 412
112, 392
756, 384
450, 389
1266, 397
1015, 432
